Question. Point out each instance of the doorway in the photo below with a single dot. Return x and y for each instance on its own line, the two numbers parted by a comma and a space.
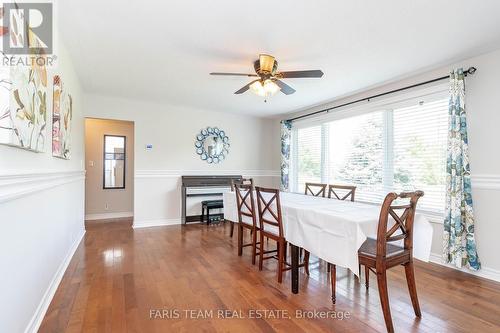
109, 165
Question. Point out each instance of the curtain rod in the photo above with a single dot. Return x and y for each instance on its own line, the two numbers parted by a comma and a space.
469, 71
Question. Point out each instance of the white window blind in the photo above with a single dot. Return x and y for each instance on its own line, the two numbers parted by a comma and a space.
400, 147
308, 166
420, 139
355, 154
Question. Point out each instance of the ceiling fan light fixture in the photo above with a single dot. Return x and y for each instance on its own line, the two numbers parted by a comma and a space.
264, 89
270, 87
258, 88
269, 79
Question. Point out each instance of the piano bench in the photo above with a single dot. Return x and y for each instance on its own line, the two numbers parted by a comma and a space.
210, 204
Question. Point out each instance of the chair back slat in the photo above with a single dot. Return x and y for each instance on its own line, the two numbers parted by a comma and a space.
246, 204
402, 221
242, 181
269, 206
396, 238
315, 189
333, 189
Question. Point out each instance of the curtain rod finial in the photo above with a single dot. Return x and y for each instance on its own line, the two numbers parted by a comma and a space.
471, 70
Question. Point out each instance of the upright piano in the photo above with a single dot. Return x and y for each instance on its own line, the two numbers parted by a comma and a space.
195, 189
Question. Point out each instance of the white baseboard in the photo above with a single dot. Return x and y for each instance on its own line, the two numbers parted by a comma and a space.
155, 223
484, 272
42, 308
106, 216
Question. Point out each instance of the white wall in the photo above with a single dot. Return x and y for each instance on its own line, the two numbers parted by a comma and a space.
483, 109
171, 130
41, 216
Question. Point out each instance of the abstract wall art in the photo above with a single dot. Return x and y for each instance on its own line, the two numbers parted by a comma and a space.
62, 114
23, 106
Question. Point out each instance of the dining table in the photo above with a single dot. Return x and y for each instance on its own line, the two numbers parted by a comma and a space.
331, 229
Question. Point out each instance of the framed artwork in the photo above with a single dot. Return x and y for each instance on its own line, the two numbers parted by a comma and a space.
62, 114
23, 106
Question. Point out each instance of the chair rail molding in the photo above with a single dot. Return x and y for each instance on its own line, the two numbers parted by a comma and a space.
179, 173
486, 181
14, 185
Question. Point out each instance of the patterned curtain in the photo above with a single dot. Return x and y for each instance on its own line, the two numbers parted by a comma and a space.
286, 128
459, 245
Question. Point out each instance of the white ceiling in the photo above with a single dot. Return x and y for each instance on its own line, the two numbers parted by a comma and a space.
164, 50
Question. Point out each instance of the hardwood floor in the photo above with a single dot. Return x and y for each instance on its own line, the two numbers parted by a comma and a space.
120, 276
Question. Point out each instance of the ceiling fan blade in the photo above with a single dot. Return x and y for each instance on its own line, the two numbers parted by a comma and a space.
245, 88
299, 74
234, 74
285, 88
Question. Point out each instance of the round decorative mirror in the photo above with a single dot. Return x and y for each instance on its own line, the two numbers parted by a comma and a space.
212, 145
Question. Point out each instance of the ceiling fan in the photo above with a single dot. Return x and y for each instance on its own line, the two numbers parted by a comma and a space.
269, 79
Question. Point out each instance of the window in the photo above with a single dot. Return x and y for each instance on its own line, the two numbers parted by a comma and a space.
400, 146
356, 154
420, 140
309, 149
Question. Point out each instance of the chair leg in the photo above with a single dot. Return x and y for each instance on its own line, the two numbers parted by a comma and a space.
384, 300
231, 230
359, 273
333, 277
240, 240
261, 252
367, 277
412, 288
254, 246
208, 216
281, 253
306, 262
202, 213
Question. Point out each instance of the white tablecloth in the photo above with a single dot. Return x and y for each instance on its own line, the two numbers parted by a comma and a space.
333, 230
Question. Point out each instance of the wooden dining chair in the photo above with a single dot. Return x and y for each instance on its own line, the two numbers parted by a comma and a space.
346, 191
242, 181
271, 226
247, 218
315, 189
379, 255
339, 192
